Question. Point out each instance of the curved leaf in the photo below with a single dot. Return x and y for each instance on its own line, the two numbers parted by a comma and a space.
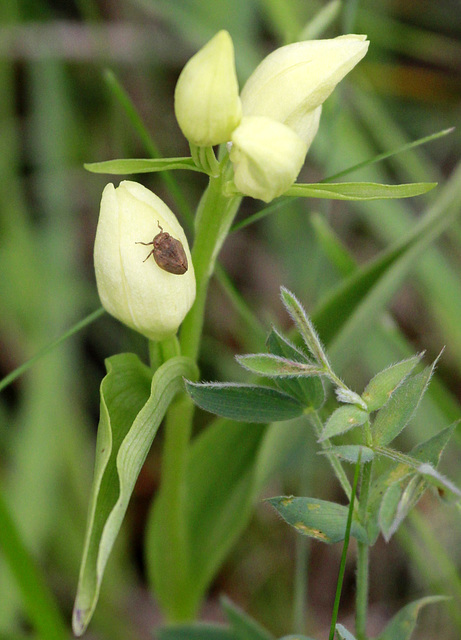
129, 421
403, 623
350, 452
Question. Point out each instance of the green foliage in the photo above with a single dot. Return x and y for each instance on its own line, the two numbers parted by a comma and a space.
196, 631
318, 519
133, 404
250, 403
308, 390
403, 623
130, 166
359, 190
61, 114
351, 452
383, 384
219, 494
342, 420
397, 412
394, 392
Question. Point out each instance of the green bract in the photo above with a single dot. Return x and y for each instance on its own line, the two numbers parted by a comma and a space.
134, 290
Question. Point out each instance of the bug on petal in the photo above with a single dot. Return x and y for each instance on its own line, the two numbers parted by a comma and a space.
168, 252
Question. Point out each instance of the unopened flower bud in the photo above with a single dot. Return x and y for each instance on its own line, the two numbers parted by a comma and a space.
267, 157
132, 286
293, 81
206, 101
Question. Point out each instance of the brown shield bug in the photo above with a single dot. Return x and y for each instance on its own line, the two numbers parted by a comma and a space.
168, 253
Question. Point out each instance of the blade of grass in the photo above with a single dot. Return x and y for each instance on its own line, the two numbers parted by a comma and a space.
428, 553
39, 602
389, 154
11, 377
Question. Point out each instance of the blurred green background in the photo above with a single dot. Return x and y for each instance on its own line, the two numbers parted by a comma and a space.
57, 111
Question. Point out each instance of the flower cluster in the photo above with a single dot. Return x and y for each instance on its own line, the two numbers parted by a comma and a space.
271, 125
269, 128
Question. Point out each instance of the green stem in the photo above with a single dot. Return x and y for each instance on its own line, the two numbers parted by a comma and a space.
174, 460
214, 218
342, 566
363, 559
11, 377
362, 590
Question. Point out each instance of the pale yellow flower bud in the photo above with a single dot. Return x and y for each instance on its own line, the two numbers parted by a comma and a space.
206, 101
293, 81
267, 157
134, 290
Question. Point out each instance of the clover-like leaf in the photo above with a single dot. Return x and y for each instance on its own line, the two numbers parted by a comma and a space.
325, 521
398, 411
308, 390
382, 386
342, 420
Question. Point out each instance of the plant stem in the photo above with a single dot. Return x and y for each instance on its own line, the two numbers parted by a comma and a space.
363, 559
214, 218
342, 566
174, 461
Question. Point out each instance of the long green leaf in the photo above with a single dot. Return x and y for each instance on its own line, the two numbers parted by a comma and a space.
39, 604
132, 407
359, 190
140, 165
249, 403
196, 631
